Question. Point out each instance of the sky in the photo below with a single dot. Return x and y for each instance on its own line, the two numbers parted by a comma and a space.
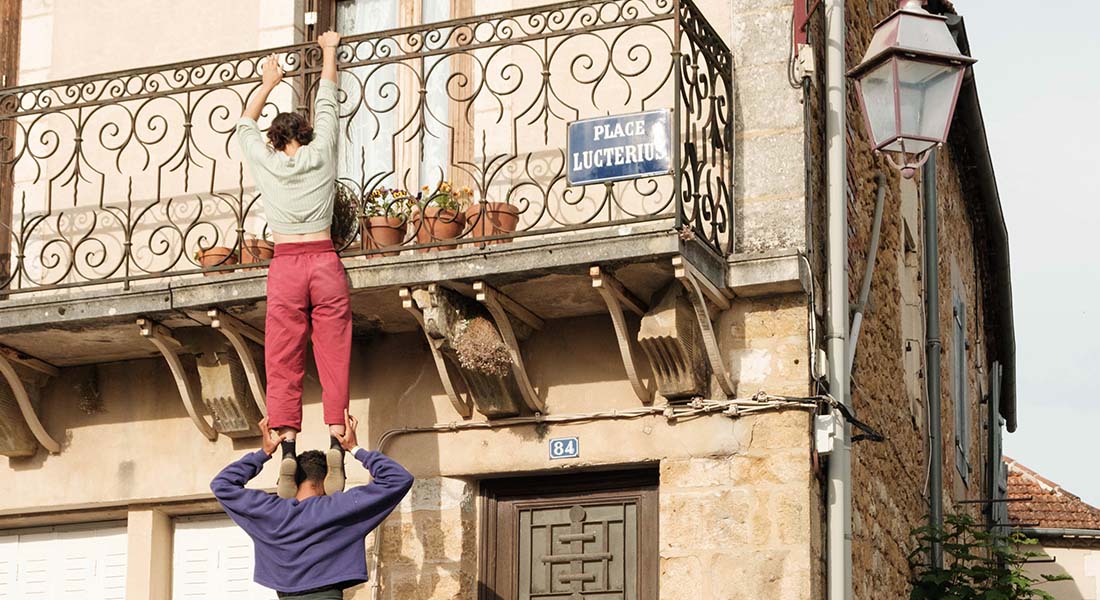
1039, 87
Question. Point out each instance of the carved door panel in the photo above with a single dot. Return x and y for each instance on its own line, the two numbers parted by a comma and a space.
572, 538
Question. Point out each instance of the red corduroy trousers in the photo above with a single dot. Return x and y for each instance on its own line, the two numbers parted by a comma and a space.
307, 294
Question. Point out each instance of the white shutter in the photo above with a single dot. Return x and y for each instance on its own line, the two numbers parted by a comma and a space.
213, 558
79, 563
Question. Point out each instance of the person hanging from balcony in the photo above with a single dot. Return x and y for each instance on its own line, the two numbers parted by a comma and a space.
311, 547
307, 287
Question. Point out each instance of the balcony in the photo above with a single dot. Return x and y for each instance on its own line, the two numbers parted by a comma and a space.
115, 182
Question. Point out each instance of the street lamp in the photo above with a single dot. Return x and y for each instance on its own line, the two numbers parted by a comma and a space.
908, 83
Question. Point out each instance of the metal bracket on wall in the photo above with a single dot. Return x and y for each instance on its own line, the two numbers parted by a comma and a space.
500, 306
238, 333
463, 405
700, 291
616, 296
22, 398
161, 337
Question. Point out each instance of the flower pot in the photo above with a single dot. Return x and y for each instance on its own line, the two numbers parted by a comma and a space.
492, 218
384, 232
436, 224
217, 256
255, 250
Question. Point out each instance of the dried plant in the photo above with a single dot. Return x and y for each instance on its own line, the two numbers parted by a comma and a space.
481, 348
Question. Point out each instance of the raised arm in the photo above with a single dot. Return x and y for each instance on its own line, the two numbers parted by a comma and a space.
389, 481
248, 131
325, 116
272, 75
241, 503
328, 41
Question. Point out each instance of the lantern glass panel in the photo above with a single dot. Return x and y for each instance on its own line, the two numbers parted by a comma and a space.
878, 90
927, 95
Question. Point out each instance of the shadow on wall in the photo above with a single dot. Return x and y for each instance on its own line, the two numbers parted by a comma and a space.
1062, 590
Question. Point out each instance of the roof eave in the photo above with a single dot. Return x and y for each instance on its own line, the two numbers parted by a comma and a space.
972, 136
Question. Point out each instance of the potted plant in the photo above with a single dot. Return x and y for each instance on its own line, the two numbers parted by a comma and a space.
441, 217
255, 250
345, 217
387, 214
216, 256
491, 218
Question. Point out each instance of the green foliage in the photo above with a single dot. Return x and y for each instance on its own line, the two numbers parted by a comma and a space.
978, 564
345, 218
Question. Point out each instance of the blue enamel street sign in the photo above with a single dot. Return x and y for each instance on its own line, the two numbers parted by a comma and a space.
569, 447
619, 147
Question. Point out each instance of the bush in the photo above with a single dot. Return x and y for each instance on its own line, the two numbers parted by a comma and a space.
978, 564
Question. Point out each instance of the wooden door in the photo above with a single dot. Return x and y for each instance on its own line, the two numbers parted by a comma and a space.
581, 537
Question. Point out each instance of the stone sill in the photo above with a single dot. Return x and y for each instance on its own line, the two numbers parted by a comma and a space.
767, 274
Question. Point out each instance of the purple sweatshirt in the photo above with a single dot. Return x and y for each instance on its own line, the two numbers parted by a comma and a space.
316, 542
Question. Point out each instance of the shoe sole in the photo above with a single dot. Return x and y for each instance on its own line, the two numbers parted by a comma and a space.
335, 478
286, 488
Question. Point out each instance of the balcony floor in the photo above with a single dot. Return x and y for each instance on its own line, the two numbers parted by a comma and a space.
548, 275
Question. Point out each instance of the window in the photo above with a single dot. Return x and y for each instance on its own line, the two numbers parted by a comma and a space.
379, 145
582, 536
213, 558
960, 383
64, 563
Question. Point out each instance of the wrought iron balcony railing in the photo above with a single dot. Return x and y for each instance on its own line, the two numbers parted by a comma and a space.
123, 177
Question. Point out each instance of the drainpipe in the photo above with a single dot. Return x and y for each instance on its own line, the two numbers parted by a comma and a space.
868, 271
839, 520
932, 348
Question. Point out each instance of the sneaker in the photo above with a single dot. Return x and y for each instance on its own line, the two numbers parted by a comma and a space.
334, 480
286, 488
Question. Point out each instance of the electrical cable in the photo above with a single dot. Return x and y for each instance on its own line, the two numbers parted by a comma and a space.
735, 408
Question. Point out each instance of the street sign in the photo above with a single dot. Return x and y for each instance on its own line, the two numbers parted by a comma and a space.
569, 447
619, 147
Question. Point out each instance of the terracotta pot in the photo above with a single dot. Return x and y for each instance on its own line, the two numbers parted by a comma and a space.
256, 250
384, 232
436, 224
492, 218
217, 256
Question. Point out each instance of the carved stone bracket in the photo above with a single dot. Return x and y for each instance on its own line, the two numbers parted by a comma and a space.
617, 297
700, 291
239, 333
161, 337
15, 442
500, 307
462, 404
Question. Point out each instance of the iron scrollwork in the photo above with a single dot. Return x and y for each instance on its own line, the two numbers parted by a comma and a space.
130, 175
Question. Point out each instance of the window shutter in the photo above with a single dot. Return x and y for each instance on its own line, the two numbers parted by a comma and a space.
214, 558
64, 564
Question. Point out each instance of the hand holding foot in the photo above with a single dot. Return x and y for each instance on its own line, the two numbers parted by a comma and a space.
271, 438
342, 441
348, 440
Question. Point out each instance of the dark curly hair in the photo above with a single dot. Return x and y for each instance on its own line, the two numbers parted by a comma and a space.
312, 466
289, 126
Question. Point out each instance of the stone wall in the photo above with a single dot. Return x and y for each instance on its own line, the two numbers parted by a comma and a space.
890, 478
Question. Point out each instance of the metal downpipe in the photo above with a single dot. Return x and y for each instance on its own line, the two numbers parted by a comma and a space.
868, 271
839, 507
933, 346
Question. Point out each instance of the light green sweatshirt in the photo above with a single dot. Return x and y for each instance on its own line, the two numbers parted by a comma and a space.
297, 192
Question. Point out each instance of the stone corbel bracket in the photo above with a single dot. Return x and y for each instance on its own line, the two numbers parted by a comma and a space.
700, 291
462, 403
239, 333
500, 307
617, 297
8, 359
169, 347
